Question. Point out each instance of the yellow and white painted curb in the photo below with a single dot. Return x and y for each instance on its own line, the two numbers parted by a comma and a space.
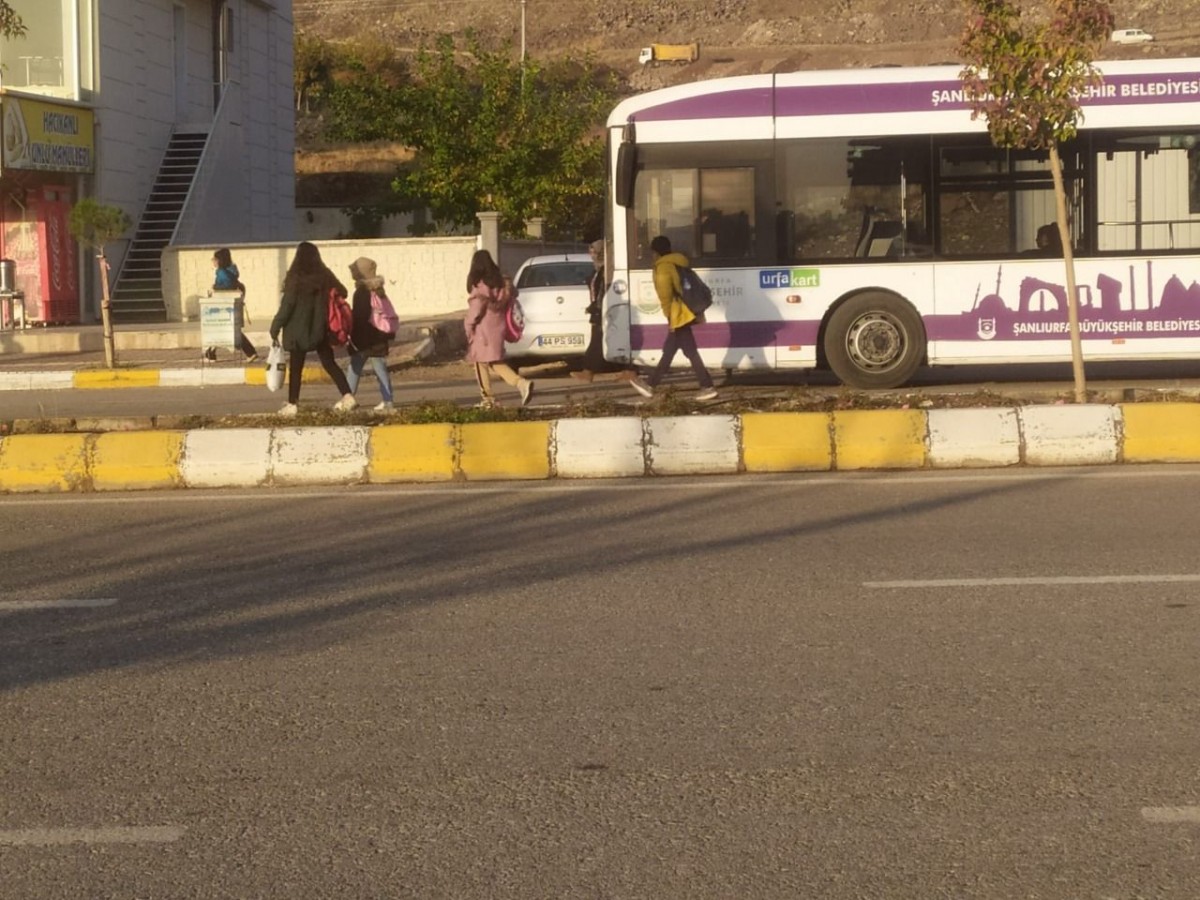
108, 379
617, 447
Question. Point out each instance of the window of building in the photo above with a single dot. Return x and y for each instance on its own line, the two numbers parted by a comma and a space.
55, 56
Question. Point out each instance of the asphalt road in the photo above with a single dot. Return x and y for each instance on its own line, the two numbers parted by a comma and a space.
453, 383
877, 686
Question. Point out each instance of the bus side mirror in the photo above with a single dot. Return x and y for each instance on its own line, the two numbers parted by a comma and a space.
626, 173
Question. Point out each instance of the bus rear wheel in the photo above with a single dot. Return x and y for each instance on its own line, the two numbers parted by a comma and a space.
874, 341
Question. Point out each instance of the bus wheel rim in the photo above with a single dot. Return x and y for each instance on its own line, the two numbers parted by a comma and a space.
875, 342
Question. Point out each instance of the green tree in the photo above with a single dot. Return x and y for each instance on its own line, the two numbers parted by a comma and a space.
11, 25
95, 224
490, 133
312, 67
1025, 72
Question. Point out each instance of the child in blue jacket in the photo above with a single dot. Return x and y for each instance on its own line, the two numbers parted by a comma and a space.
226, 279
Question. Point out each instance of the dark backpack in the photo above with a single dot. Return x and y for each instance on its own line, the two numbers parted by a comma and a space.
340, 319
696, 295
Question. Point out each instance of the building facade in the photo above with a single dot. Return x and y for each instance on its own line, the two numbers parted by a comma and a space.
177, 111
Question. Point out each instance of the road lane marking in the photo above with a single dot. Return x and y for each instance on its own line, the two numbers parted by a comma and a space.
110, 834
83, 603
1170, 815
1046, 580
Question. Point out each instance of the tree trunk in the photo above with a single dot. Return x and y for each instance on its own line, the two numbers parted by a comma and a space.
1064, 233
110, 349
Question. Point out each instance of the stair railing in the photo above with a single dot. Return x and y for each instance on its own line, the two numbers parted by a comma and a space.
206, 168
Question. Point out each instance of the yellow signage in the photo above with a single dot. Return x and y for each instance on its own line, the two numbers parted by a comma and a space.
48, 137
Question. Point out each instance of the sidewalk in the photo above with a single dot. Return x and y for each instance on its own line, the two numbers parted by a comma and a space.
168, 355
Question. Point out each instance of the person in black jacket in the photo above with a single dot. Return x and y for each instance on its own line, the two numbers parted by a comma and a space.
303, 318
367, 340
593, 362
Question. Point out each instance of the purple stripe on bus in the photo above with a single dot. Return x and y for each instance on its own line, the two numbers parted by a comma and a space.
722, 335
724, 105
917, 96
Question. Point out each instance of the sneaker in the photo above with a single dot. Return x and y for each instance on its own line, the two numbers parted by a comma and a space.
486, 403
707, 394
641, 387
385, 407
252, 358
289, 410
526, 388
346, 404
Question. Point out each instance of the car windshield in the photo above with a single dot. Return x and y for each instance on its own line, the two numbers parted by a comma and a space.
557, 274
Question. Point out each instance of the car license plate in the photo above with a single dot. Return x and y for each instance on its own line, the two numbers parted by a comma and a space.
560, 340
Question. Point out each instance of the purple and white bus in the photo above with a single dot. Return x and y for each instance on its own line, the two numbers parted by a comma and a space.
859, 220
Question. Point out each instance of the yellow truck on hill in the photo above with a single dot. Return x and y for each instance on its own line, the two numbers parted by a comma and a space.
684, 53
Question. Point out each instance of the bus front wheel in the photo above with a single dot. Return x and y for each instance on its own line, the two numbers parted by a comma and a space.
874, 341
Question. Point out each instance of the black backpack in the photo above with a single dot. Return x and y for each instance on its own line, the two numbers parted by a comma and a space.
696, 295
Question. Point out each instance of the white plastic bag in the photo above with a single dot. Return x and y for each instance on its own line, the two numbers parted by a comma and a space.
276, 364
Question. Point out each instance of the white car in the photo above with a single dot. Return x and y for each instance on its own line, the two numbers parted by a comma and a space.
554, 298
1131, 36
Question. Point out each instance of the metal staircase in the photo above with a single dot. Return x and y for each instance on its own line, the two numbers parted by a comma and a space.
138, 294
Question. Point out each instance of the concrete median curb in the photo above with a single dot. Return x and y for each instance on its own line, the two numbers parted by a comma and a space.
616, 447
177, 376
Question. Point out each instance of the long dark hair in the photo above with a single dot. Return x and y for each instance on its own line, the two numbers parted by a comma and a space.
224, 258
306, 265
484, 268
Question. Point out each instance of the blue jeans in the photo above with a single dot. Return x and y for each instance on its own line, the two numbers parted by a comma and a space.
382, 375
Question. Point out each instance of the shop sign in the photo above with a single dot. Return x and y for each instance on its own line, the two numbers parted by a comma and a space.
47, 137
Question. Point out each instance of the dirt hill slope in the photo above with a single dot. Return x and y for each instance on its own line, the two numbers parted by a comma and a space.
736, 36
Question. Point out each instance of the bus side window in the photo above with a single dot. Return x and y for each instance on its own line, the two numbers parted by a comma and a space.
785, 236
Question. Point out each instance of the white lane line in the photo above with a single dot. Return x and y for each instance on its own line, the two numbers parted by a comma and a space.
1169, 815
1046, 580
112, 834
25, 605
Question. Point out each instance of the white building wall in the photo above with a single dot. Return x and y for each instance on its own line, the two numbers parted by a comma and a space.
425, 276
136, 112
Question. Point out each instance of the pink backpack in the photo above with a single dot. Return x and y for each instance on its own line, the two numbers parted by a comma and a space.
514, 321
383, 314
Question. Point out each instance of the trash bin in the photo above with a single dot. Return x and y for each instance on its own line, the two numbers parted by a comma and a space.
220, 326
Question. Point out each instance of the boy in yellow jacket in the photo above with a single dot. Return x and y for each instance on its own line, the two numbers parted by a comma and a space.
680, 320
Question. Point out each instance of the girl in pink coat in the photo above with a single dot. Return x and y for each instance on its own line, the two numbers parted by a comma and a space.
489, 296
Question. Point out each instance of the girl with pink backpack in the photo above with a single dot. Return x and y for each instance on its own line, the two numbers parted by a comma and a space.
369, 340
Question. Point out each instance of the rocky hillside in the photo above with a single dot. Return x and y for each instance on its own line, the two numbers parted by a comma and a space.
736, 36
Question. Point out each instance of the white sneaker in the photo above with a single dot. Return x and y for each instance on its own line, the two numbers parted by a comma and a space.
526, 388
289, 411
707, 394
641, 387
346, 404
384, 407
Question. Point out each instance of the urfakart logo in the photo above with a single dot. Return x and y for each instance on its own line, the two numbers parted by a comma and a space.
789, 278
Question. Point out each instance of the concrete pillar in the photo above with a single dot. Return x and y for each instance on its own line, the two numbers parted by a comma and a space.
489, 233
533, 227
